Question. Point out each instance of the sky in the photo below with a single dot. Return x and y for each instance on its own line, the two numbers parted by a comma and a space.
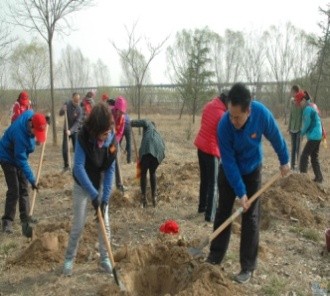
94, 28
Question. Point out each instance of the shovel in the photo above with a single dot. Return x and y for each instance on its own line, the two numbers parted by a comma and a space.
27, 229
67, 137
197, 252
108, 246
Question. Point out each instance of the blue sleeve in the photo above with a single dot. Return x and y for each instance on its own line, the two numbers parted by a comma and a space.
107, 182
229, 163
273, 134
21, 159
306, 121
80, 172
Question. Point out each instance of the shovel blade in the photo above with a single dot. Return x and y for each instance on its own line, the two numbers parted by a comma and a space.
117, 281
197, 252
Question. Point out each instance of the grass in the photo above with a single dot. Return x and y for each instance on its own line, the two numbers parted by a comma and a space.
275, 287
307, 233
5, 248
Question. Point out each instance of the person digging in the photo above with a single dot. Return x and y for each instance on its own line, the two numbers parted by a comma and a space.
17, 143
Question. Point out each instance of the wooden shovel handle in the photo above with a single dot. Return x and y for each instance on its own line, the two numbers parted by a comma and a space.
105, 237
67, 137
240, 210
38, 173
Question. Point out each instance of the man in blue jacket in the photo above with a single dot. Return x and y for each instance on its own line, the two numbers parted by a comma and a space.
18, 141
239, 134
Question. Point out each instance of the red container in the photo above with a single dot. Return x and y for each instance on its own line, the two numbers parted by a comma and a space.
327, 239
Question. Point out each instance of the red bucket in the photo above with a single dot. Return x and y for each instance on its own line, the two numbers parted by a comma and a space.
327, 239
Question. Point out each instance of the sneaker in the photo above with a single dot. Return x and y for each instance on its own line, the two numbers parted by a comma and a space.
66, 169
7, 226
243, 277
67, 268
106, 265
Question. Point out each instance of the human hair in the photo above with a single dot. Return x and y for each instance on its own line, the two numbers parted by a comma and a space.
99, 120
295, 88
224, 96
307, 95
239, 95
75, 94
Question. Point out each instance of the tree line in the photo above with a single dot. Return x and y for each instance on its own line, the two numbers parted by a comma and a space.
197, 59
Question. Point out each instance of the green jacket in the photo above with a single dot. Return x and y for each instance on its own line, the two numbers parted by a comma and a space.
295, 119
151, 143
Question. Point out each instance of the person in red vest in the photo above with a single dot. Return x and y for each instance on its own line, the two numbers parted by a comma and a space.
21, 105
209, 154
87, 104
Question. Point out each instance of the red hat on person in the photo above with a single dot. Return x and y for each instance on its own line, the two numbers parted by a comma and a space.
121, 104
105, 97
39, 124
24, 98
299, 96
170, 226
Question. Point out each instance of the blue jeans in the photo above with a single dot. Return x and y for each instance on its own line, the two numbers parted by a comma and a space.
80, 201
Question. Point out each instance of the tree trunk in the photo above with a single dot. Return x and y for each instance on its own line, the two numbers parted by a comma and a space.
50, 47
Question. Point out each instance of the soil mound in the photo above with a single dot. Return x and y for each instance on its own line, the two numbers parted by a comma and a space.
55, 180
294, 198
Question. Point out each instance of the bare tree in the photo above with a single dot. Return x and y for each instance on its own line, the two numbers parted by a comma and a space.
101, 73
47, 17
74, 69
254, 64
132, 57
28, 67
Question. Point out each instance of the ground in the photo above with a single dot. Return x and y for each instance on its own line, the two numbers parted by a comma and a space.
292, 256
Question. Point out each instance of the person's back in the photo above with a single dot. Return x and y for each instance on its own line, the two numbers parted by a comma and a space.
21, 105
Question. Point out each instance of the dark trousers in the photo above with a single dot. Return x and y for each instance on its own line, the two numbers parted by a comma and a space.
208, 167
128, 146
295, 149
311, 149
65, 151
17, 191
250, 221
148, 162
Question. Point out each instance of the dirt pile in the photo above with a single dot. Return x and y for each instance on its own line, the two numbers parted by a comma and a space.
294, 198
166, 268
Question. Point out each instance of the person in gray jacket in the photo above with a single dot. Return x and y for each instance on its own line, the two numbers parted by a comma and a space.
70, 128
151, 154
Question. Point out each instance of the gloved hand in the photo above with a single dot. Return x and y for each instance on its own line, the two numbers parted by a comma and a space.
103, 208
34, 186
96, 204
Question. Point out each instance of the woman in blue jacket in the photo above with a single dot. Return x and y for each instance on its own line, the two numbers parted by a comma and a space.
18, 141
312, 129
94, 165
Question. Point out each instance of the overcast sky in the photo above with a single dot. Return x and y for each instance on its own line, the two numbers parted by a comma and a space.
95, 27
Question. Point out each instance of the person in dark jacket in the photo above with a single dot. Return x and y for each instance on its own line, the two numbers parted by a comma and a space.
209, 154
93, 170
70, 129
240, 134
128, 138
17, 143
151, 154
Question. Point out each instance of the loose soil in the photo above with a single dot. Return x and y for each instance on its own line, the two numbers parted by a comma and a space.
292, 253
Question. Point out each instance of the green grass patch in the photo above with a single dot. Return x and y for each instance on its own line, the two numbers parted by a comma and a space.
5, 248
275, 287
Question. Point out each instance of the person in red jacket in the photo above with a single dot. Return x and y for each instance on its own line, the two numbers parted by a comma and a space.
21, 105
209, 154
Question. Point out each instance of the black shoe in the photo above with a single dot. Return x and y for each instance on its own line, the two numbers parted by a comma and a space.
27, 230
66, 169
154, 201
7, 226
201, 210
318, 180
243, 277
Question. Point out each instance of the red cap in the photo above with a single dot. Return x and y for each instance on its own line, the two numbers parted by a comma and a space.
24, 98
39, 124
299, 96
170, 226
105, 97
